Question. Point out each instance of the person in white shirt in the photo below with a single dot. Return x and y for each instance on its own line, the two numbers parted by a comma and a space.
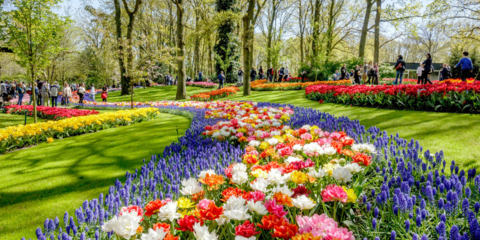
92, 93
66, 94
419, 74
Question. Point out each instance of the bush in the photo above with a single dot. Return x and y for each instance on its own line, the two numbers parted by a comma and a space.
386, 71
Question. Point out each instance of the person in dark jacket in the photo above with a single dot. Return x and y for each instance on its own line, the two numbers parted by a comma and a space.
221, 80
400, 67
260, 73
280, 74
467, 66
253, 74
343, 72
427, 68
445, 73
356, 74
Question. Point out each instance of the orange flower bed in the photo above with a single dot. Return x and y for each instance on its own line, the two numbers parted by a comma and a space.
262, 85
215, 94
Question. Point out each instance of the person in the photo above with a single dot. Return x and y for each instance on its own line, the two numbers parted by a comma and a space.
200, 77
357, 74
92, 92
260, 73
467, 66
221, 79
3, 92
280, 74
253, 74
370, 74
400, 67
364, 71
445, 72
66, 94
81, 93
427, 68
268, 73
44, 92
54, 90
104, 93
336, 75
13, 90
272, 72
347, 76
419, 74
343, 72
352, 76
240, 76
35, 91
304, 75
286, 74
20, 91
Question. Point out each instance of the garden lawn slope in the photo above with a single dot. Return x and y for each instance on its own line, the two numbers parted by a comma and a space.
152, 94
46, 180
458, 135
7, 120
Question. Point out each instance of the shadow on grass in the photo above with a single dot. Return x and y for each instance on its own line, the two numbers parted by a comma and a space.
46, 180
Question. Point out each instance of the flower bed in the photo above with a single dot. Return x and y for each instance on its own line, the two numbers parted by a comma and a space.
262, 85
202, 84
53, 113
286, 183
456, 80
215, 94
445, 97
30, 134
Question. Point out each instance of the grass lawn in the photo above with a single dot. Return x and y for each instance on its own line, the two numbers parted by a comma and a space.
154, 94
458, 135
46, 180
7, 120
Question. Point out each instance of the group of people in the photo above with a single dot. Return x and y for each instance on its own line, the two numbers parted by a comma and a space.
45, 91
363, 73
169, 80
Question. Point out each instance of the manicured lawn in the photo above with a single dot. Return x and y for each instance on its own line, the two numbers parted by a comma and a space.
7, 120
46, 180
458, 135
154, 94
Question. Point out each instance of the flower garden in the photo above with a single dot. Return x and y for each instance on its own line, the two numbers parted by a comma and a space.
248, 170
262, 85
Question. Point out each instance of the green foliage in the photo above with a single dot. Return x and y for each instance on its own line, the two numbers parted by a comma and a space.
33, 32
386, 71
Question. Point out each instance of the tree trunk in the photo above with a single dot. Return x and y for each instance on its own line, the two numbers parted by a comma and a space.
196, 52
301, 26
363, 37
270, 34
316, 33
376, 56
331, 25
118, 22
181, 89
247, 46
34, 100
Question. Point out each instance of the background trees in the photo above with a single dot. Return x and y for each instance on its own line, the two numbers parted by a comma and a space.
125, 41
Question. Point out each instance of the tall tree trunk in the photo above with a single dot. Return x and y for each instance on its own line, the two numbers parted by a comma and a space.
196, 52
270, 33
316, 33
331, 26
34, 99
131, 22
121, 62
363, 37
376, 56
181, 88
247, 46
301, 26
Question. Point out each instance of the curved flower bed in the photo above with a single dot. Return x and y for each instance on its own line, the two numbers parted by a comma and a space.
272, 171
53, 113
215, 94
202, 84
30, 134
262, 85
445, 97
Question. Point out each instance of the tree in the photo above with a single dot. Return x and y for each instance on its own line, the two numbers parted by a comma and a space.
249, 20
363, 37
181, 88
126, 65
34, 33
225, 37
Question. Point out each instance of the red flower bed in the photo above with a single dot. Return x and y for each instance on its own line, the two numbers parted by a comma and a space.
444, 97
48, 112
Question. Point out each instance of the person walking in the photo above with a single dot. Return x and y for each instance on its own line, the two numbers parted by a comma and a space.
370, 74
253, 74
104, 93
357, 74
304, 75
92, 92
260, 73
427, 68
20, 91
269, 73
81, 93
343, 72
240, 76
419, 74
272, 74
400, 67
200, 76
35, 88
286, 74
280, 74
221, 79
54, 90
467, 66
44, 92
66, 94
3, 92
